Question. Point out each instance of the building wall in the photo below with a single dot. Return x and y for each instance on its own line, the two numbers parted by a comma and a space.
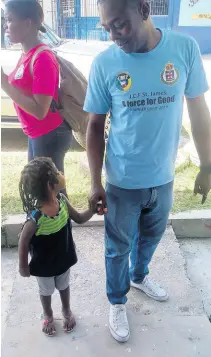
80, 19
50, 13
200, 33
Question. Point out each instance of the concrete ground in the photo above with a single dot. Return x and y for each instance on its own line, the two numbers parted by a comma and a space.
176, 328
197, 253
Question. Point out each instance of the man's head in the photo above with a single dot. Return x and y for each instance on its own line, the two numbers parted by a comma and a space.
126, 21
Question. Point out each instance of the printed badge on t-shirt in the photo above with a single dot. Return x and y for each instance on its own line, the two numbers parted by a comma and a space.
20, 72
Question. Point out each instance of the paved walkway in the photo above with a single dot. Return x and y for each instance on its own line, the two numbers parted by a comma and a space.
177, 328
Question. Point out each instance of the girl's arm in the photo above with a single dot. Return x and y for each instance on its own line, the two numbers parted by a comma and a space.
26, 235
79, 217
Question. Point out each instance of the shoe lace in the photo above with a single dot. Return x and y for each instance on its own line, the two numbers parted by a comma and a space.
119, 316
151, 285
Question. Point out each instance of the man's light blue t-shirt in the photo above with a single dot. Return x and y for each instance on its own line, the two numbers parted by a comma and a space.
144, 93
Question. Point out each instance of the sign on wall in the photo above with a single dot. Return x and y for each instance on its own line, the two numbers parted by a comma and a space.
195, 13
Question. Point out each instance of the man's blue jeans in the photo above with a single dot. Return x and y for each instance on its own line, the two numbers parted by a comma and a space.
134, 225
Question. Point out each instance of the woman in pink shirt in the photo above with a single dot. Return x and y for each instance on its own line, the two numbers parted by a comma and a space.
35, 96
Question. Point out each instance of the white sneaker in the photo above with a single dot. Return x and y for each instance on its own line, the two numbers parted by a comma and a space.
118, 323
152, 289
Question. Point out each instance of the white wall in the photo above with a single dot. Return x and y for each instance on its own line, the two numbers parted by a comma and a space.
48, 12
89, 8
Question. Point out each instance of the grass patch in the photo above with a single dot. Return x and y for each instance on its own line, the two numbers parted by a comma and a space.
78, 184
184, 132
183, 190
78, 181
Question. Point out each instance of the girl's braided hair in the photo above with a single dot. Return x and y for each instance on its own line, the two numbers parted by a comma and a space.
34, 181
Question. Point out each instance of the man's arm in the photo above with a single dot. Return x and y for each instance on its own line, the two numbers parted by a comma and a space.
201, 128
98, 102
95, 153
96, 146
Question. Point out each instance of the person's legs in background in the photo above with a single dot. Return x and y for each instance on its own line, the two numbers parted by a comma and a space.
153, 222
62, 141
62, 145
54, 145
30, 150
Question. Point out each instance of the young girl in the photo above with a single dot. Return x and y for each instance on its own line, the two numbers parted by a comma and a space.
47, 234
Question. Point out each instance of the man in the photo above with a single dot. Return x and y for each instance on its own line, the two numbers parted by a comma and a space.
142, 80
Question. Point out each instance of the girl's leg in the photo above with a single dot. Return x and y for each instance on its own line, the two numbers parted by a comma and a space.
62, 284
65, 299
46, 289
48, 324
69, 320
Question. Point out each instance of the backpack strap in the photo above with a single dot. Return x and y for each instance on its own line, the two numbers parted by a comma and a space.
33, 216
36, 53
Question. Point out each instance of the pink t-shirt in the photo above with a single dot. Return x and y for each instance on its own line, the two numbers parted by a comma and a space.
45, 81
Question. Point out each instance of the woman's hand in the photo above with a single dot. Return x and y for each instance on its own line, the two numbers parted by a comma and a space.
4, 79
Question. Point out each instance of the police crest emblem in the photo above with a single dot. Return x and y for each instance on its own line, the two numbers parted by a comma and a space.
170, 74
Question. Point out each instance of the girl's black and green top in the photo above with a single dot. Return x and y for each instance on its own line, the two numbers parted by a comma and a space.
52, 247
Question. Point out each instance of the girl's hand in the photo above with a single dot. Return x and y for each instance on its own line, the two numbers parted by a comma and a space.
24, 272
97, 208
101, 210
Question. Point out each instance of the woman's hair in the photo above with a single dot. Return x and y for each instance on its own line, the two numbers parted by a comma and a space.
27, 9
34, 182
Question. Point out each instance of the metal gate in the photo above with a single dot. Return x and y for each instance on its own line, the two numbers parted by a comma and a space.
79, 19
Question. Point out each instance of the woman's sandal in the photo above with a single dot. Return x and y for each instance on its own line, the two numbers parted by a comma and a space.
47, 324
69, 321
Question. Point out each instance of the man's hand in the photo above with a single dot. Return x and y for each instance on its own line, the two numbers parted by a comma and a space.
24, 271
202, 185
97, 198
